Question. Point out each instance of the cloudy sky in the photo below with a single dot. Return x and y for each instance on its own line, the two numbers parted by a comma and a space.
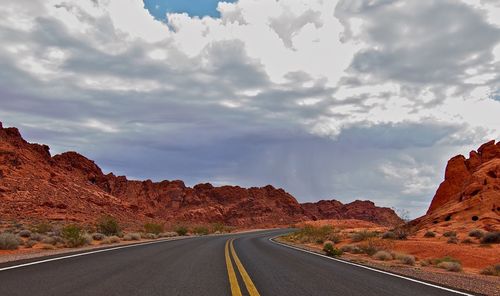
349, 99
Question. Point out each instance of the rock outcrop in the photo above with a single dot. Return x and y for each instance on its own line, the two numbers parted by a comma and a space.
360, 210
36, 186
469, 196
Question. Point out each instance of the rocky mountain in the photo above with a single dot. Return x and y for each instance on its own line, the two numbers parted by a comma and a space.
361, 210
469, 196
69, 187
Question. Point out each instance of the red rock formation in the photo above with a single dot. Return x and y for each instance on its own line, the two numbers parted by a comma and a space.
360, 210
469, 196
34, 185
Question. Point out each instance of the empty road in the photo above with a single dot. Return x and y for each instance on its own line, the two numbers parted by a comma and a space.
240, 264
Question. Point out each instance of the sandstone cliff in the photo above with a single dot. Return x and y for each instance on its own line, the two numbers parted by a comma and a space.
70, 187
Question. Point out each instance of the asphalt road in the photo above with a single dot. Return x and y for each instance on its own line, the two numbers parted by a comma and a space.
213, 265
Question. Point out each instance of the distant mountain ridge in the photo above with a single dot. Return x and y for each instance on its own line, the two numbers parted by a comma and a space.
69, 187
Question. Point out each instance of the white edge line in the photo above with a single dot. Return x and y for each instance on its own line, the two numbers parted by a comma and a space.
369, 268
89, 253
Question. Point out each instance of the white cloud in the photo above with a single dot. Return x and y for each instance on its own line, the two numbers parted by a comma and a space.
272, 70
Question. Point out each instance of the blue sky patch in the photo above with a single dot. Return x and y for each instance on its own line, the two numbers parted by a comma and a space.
201, 8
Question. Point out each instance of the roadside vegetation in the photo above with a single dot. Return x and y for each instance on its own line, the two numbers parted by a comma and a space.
106, 230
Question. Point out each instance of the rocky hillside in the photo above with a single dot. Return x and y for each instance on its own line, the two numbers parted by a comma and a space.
469, 196
34, 185
361, 210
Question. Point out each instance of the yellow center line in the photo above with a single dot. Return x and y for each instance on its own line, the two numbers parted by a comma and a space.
252, 290
233, 281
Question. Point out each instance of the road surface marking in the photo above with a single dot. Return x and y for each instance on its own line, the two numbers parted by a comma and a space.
233, 281
88, 253
369, 268
252, 290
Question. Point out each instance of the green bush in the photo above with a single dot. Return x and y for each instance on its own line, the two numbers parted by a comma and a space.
8, 241
154, 228
492, 270
201, 230
491, 238
330, 250
430, 234
452, 240
74, 236
108, 225
181, 230
476, 233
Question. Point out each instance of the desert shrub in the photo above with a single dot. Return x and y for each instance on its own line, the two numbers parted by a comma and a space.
73, 236
48, 240
314, 234
452, 240
368, 249
218, 227
406, 259
491, 238
149, 236
8, 241
436, 261
168, 234
181, 230
47, 247
450, 266
467, 241
42, 228
132, 236
30, 243
363, 235
153, 228
201, 230
351, 249
476, 233
88, 239
37, 236
425, 262
330, 250
389, 235
108, 225
24, 233
382, 255
402, 233
98, 236
492, 270
449, 234
110, 240
430, 234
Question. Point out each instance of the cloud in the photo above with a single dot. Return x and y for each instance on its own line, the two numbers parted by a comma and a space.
324, 98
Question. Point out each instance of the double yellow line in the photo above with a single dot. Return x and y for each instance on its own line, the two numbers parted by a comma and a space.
233, 280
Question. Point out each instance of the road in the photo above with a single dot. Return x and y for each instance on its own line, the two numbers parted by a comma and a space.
241, 264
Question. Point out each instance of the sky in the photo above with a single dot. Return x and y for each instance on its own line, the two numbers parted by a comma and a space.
344, 99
